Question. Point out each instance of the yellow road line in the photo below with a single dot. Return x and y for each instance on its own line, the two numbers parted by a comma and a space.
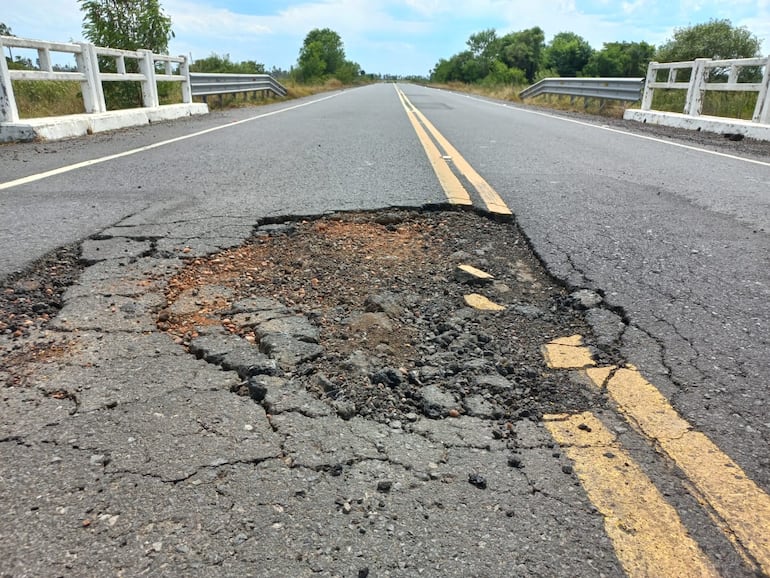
453, 188
743, 506
492, 200
647, 533
567, 353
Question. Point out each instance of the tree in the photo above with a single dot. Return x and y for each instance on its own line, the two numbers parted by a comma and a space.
568, 54
127, 25
348, 72
223, 64
322, 53
717, 39
6, 31
620, 59
523, 50
483, 43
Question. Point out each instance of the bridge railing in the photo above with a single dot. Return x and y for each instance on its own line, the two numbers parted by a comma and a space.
700, 80
152, 69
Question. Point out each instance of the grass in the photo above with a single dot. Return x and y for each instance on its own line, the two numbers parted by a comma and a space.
55, 98
725, 104
36, 99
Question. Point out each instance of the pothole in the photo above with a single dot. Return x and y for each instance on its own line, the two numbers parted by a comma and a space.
367, 314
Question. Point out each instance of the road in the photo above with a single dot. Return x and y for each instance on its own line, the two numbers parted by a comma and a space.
672, 234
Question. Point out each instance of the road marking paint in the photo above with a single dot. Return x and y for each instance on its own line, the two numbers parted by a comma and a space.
647, 533
453, 188
92, 162
482, 303
475, 273
743, 506
618, 131
492, 200
600, 375
567, 353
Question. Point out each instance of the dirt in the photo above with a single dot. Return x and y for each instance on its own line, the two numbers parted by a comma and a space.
394, 326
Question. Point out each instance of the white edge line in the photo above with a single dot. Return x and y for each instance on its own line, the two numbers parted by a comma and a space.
615, 130
91, 162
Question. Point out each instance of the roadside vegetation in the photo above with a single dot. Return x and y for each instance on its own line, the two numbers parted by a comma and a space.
502, 66
493, 65
133, 24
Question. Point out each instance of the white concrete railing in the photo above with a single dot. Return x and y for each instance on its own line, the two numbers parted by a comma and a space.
699, 83
89, 74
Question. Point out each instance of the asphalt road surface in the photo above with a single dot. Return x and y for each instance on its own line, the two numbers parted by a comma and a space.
673, 234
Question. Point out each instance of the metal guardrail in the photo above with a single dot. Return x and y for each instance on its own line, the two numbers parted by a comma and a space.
207, 84
152, 69
698, 83
627, 89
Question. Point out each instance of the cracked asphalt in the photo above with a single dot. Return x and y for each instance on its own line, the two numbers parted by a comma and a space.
123, 453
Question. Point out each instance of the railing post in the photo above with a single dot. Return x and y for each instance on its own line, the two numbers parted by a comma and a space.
91, 87
762, 110
184, 70
44, 56
8, 110
149, 85
649, 91
694, 103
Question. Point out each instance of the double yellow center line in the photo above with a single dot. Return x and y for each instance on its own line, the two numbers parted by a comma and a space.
649, 537
442, 159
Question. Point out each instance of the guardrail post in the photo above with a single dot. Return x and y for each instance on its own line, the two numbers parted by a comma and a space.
8, 110
762, 110
649, 91
694, 103
184, 70
91, 87
149, 85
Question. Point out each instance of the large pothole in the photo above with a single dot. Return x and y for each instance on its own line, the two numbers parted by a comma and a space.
366, 314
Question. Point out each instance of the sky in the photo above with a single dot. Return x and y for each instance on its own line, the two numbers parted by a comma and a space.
399, 37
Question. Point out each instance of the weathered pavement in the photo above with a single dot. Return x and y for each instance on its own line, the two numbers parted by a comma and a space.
112, 456
126, 455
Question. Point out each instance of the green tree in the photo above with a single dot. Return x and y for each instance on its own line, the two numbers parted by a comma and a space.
311, 65
620, 59
223, 64
523, 50
5, 30
127, 25
568, 54
348, 72
717, 39
322, 53
483, 43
